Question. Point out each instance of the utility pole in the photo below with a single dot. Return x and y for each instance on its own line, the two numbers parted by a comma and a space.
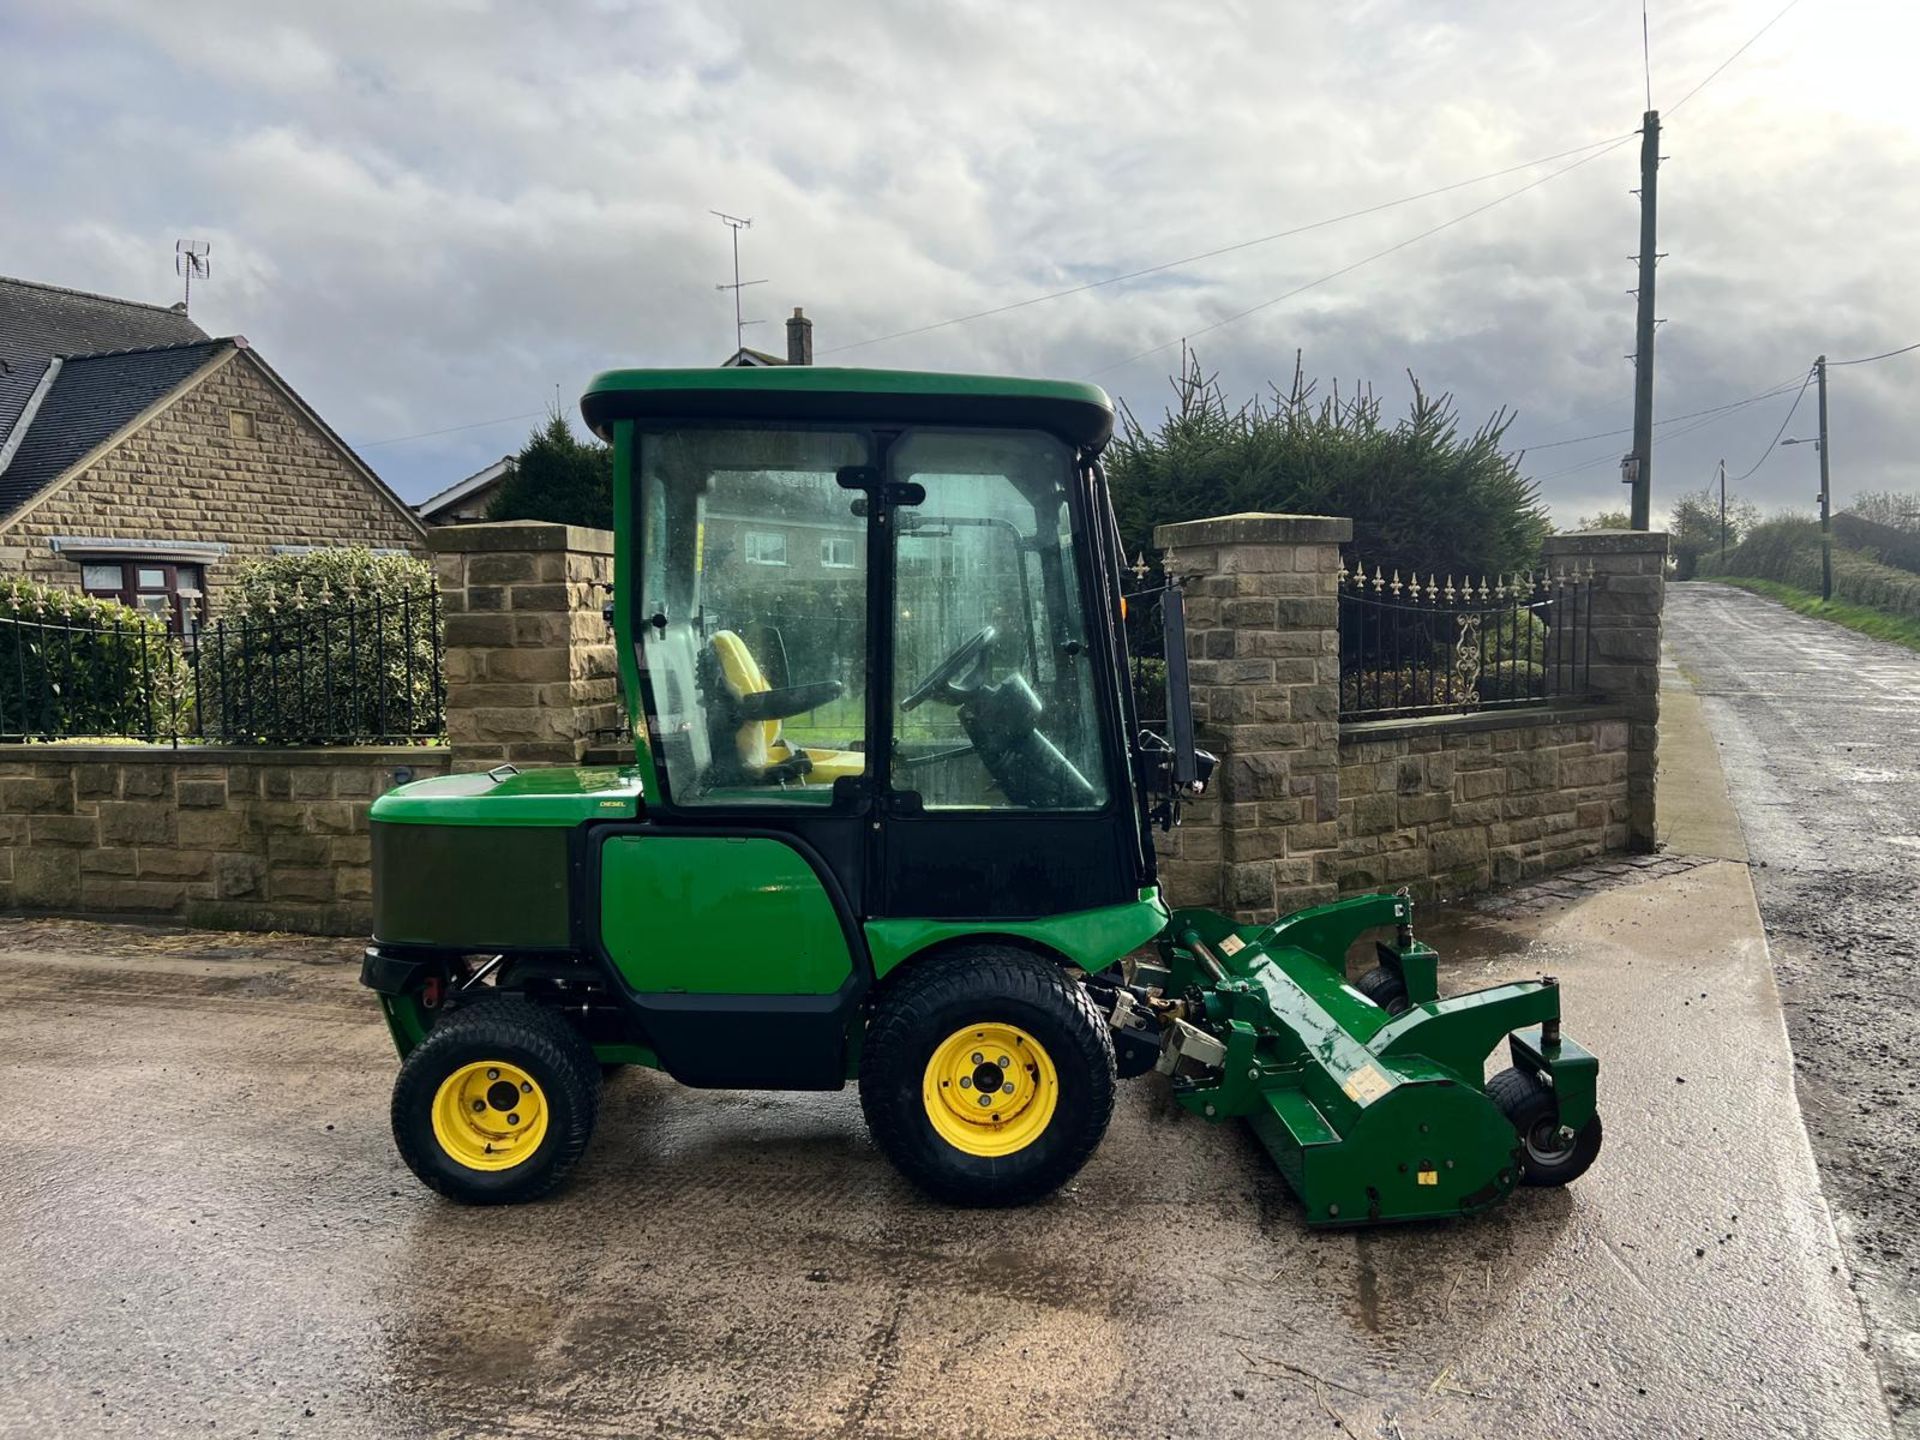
1640, 474
1723, 514
1826, 490
736, 224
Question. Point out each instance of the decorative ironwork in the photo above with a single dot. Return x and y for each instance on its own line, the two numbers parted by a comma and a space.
1447, 644
308, 668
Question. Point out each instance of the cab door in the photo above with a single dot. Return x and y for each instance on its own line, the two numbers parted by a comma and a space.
1004, 794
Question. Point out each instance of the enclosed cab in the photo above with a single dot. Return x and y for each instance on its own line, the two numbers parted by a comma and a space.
870, 643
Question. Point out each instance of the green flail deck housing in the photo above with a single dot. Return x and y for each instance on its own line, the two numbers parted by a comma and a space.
889, 818
1370, 1115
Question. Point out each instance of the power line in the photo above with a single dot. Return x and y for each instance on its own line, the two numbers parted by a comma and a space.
1714, 73
1366, 260
1773, 443
1780, 389
451, 429
1869, 359
1217, 252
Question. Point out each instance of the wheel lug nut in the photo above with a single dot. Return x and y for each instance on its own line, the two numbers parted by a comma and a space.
966, 1082
977, 1057
493, 1074
1008, 1087
513, 1119
1004, 1062
986, 1099
479, 1105
526, 1087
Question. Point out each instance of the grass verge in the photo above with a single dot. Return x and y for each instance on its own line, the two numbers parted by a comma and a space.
1899, 629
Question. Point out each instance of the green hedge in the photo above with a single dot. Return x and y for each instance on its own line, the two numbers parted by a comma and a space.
1787, 552
72, 665
337, 646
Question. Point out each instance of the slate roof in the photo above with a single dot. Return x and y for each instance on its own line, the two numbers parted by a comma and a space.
38, 322
91, 398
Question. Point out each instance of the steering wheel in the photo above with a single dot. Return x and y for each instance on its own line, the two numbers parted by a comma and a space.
950, 669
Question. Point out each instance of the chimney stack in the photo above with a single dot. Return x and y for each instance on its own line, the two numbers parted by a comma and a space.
799, 338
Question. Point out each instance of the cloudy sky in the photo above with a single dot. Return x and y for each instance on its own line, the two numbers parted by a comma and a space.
431, 215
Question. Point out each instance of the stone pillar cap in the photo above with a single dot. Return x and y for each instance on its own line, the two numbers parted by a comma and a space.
1604, 542
1254, 528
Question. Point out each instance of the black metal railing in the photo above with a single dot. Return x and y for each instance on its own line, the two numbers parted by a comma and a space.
1433, 647
301, 672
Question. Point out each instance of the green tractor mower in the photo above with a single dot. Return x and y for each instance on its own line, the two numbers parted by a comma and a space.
889, 820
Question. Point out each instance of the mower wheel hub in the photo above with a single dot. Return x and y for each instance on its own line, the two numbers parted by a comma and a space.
489, 1115
990, 1089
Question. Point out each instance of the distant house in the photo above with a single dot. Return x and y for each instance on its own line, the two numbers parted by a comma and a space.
799, 347
466, 500
144, 460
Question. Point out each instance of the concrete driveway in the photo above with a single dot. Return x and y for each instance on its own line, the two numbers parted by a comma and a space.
209, 1234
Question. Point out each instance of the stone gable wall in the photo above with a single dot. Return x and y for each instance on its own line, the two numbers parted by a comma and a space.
184, 476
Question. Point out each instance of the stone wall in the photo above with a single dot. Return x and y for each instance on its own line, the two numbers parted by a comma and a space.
185, 476
1304, 809
1459, 803
244, 839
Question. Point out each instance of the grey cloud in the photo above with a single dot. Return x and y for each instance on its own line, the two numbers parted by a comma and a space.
433, 214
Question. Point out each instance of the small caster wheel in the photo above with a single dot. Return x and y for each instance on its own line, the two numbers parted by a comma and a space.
1385, 988
1551, 1154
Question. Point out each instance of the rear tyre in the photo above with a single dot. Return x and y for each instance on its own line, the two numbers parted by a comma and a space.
987, 1076
1385, 988
497, 1104
1550, 1154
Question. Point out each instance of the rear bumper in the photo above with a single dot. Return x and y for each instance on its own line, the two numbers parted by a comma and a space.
393, 974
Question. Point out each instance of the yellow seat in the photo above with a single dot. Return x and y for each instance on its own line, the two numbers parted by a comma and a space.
760, 744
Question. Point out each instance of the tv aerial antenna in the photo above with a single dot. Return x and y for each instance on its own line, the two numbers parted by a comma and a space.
190, 262
736, 224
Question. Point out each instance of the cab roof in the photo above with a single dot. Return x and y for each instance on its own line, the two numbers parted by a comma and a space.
1078, 413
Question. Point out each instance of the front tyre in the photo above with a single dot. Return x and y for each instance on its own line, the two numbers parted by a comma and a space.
987, 1076
497, 1104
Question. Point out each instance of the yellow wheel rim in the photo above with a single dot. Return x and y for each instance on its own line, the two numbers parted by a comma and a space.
490, 1115
990, 1089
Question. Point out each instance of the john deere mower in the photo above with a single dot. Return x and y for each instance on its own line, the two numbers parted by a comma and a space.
888, 820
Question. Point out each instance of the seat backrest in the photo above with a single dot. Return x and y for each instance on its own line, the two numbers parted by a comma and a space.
741, 674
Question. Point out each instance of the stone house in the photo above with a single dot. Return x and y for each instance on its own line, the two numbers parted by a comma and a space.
144, 460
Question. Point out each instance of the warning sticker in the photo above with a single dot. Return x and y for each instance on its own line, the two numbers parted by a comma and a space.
1232, 945
1366, 1085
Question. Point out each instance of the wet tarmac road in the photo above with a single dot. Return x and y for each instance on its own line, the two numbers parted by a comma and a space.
208, 1234
1819, 734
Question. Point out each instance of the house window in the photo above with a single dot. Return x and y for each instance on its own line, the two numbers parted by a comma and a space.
766, 547
163, 589
836, 552
242, 425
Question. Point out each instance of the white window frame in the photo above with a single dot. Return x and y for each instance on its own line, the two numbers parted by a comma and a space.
751, 550
827, 549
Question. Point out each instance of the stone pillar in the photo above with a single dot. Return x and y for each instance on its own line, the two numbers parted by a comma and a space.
1263, 638
530, 662
1623, 654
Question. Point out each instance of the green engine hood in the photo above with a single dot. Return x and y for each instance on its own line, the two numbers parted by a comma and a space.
561, 796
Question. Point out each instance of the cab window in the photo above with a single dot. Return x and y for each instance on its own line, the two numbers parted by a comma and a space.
993, 691
753, 612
